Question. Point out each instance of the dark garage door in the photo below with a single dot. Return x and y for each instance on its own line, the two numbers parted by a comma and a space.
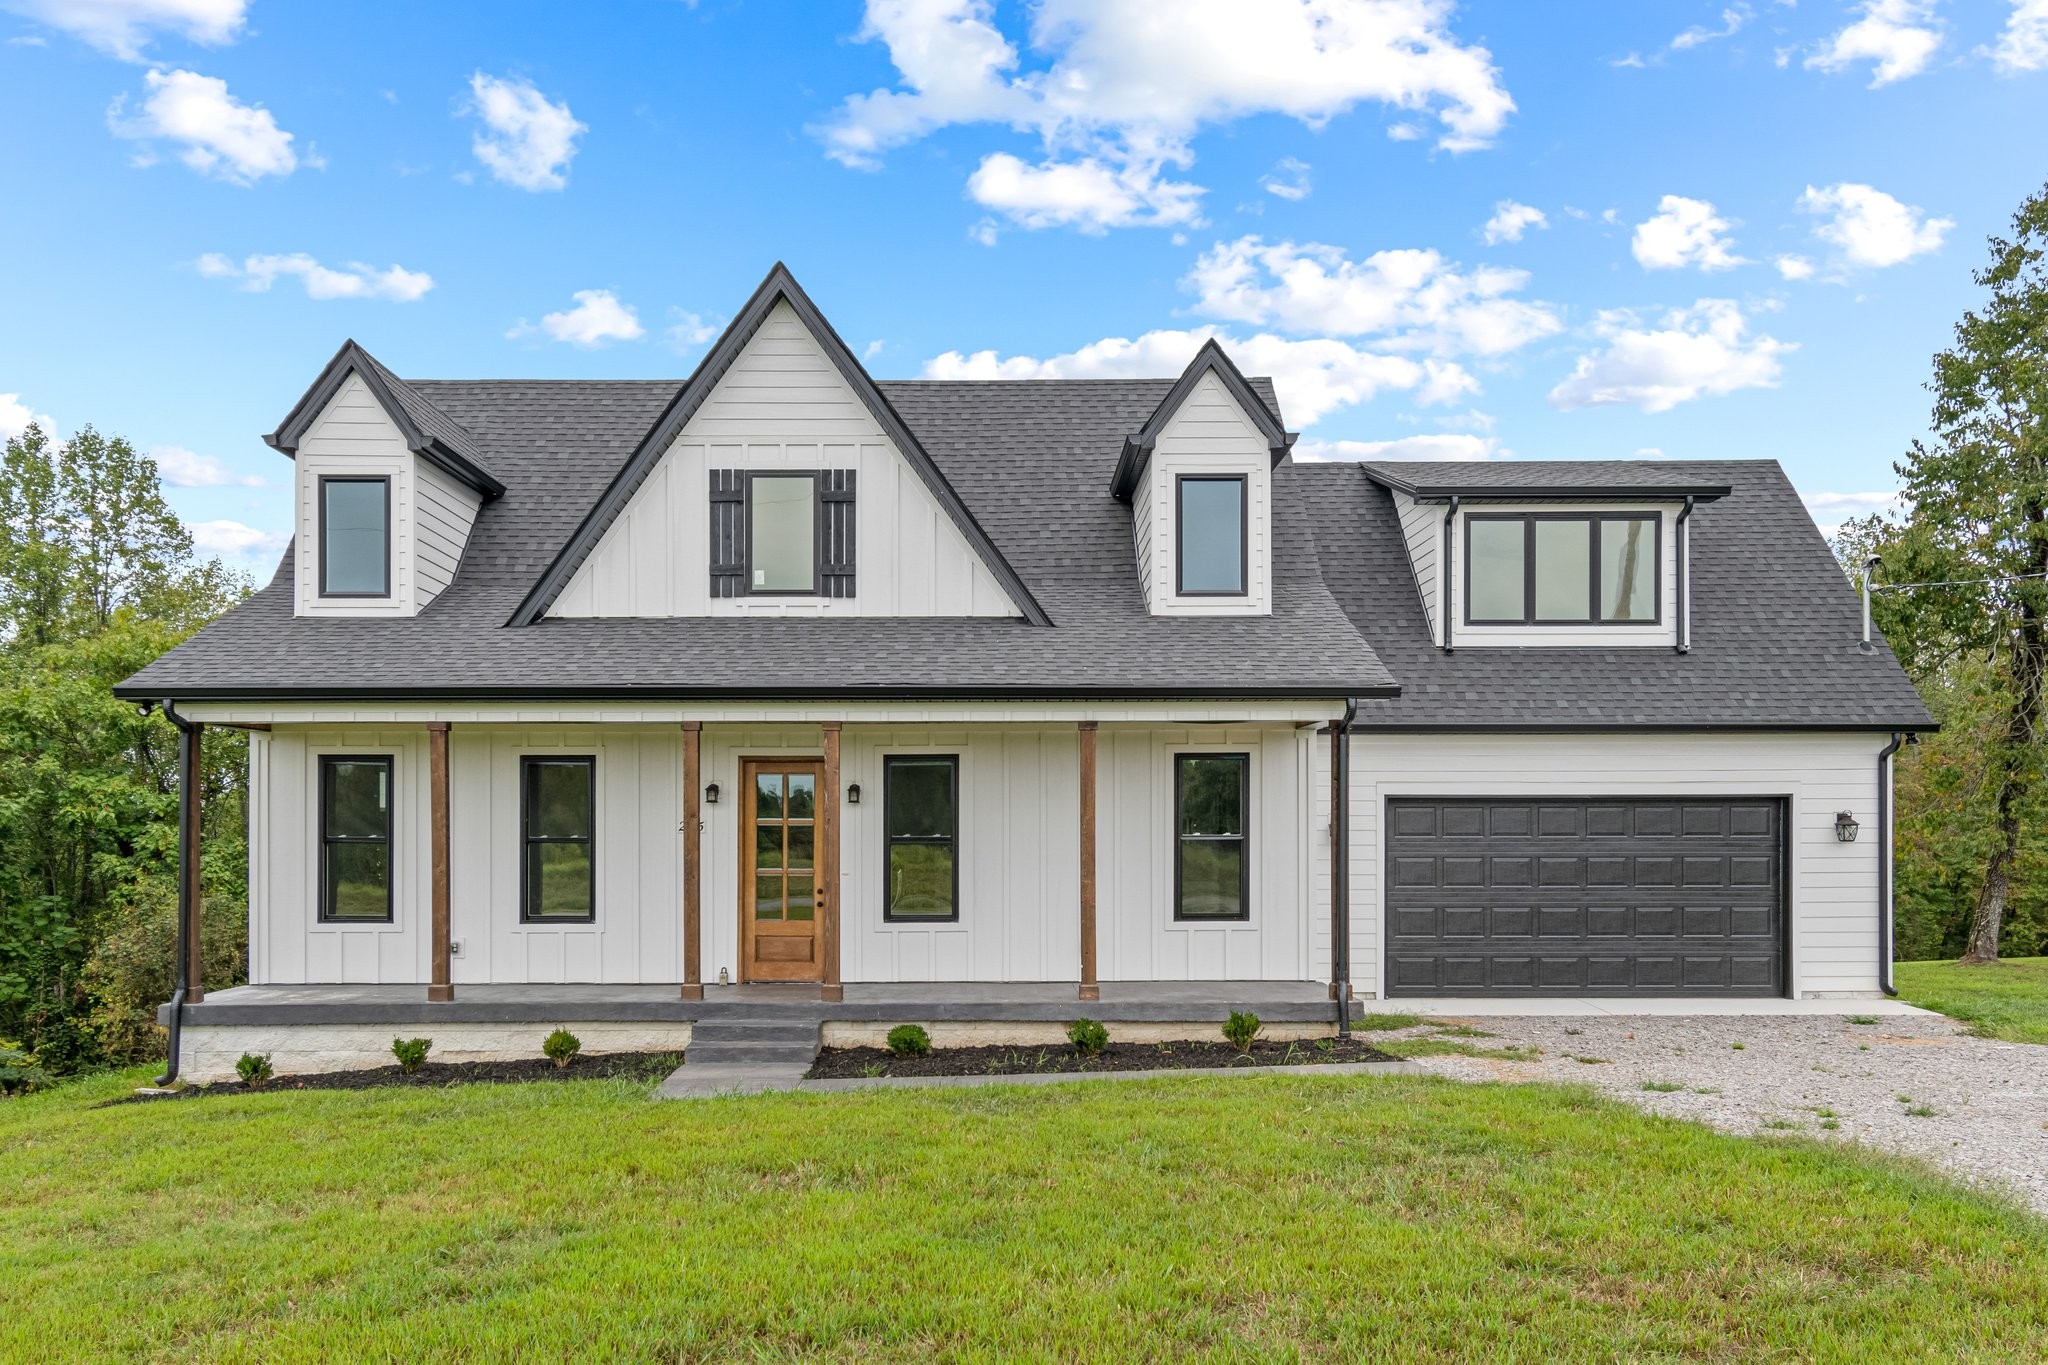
1585, 897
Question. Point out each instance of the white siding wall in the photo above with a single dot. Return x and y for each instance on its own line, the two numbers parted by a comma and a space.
1833, 886
1210, 434
782, 405
431, 512
1422, 526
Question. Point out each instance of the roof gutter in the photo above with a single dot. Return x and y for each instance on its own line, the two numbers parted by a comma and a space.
181, 979
1320, 692
1445, 574
1884, 863
1683, 644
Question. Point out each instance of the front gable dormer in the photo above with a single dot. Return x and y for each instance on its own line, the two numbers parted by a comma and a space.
1199, 479
385, 490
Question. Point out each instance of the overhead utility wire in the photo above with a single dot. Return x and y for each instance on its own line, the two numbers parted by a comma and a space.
1959, 582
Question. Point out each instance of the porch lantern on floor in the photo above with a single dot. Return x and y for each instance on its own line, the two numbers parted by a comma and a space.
1846, 826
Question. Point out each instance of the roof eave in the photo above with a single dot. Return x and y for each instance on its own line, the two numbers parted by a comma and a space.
1444, 492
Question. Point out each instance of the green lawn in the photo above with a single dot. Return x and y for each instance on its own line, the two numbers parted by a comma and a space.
1326, 1217
2006, 999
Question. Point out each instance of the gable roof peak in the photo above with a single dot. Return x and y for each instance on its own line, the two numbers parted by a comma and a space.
428, 432
1210, 359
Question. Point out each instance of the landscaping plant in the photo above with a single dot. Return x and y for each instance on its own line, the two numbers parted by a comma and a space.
909, 1040
561, 1047
1088, 1036
253, 1068
1240, 1030
411, 1053
19, 1071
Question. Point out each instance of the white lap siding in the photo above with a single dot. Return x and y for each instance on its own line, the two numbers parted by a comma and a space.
1833, 887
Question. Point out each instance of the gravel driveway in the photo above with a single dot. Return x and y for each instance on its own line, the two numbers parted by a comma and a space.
1913, 1084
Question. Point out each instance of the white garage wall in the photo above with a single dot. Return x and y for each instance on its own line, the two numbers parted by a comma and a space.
1833, 885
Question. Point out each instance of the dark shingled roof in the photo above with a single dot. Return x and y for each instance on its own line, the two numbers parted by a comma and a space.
1032, 460
1775, 624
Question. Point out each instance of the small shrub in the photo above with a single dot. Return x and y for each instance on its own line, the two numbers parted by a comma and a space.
1087, 1036
561, 1047
254, 1068
1241, 1030
909, 1040
411, 1053
20, 1072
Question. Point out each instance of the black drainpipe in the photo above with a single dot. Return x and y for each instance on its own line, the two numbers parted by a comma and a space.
1884, 863
1684, 548
1446, 569
188, 744
1340, 865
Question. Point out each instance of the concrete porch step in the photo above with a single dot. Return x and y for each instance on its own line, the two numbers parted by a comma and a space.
701, 1054
753, 1042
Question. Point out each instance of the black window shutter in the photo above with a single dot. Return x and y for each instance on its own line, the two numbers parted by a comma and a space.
835, 532
728, 533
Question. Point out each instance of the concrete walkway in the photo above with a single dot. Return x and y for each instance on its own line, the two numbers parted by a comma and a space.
704, 1082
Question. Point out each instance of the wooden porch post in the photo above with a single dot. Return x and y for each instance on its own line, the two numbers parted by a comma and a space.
693, 855
1090, 990
190, 796
829, 987
442, 988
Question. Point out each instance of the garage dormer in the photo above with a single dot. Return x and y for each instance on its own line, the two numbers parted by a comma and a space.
1199, 480
386, 487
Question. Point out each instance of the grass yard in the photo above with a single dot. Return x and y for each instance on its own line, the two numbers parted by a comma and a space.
1327, 1217
2006, 999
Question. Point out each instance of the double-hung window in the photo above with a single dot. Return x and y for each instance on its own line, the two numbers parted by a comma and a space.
921, 817
1560, 568
1211, 864
558, 826
355, 536
355, 839
1210, 535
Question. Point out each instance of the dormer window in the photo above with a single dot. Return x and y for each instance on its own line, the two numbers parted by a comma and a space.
355, 536
1211, 541
1559, 568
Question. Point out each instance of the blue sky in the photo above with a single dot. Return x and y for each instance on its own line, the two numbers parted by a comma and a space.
1488, 230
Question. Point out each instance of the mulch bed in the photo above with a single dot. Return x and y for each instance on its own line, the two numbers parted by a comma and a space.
598, 1066
847, 1063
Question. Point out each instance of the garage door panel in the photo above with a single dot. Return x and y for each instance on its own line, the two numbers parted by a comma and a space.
1607, 896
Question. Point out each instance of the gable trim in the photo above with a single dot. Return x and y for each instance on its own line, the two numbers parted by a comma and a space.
1211, 359
353, 359
779, 287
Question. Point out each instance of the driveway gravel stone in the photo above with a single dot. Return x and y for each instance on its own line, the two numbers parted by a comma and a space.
1918, 1085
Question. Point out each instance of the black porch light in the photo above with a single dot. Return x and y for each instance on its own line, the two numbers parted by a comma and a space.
1846, 826
711, 795
853, 793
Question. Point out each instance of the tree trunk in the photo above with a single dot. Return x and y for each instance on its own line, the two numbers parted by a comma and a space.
1989, 916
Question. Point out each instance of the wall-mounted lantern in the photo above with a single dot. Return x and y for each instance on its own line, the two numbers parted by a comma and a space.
853, 793
711, 795
1846, 826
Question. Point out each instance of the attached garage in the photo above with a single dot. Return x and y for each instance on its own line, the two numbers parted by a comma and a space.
1600, 896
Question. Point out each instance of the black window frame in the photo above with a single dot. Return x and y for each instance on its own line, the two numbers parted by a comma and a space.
527, 838
1244, 863
324, 909
1597, 520
816, 476
326, 479
889, 841
1244, 535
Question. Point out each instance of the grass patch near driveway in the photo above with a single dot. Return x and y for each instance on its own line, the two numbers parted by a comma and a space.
1277, 1217
2007, 1000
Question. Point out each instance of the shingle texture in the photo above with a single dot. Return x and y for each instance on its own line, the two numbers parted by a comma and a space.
1775, 624
1032, 461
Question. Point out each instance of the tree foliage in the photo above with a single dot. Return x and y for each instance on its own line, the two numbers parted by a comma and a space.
97, 578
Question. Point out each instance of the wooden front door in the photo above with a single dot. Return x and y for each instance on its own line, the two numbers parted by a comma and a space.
779, 870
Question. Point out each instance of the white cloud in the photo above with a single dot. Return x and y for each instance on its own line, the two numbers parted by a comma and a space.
216, 133
2023, 45
1440, 446
525, 140
182, 468
597, 318
1794, 267
1510, 220
686, 330
1088, 194
1696, 352
1732, 20
1830, 510
124, 27
986, 232
1899, 36
352, 280
1124, 85
1314, 377
15, 416
1685, 232
231, 540
1871, 229
1289, 179
1415, 299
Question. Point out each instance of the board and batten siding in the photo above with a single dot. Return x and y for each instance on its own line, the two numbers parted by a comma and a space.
1422, 526
1832, 888
431, 512
783, 406
1209, 434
